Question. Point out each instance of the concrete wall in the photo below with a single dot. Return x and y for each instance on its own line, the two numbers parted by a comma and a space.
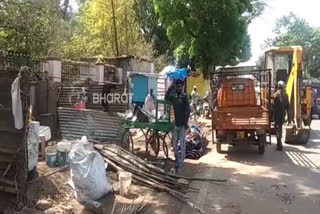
129, 64
141, 66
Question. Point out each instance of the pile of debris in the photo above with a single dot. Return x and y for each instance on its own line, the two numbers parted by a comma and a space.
196, 142
149, 175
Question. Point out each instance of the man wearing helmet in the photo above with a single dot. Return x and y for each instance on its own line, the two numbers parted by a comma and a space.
280, 108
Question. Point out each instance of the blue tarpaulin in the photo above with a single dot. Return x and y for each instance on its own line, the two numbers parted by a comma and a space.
177, 73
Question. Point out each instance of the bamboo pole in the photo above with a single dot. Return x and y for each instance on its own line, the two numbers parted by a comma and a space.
160, 177
181, 197
136, 160
126, 166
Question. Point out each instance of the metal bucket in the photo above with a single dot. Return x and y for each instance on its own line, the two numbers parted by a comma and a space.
51, 159
63, 153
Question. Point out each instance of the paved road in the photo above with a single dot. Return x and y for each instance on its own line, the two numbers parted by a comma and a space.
277, 182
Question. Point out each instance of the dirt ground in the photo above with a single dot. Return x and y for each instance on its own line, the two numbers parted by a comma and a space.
276, 182
56, 190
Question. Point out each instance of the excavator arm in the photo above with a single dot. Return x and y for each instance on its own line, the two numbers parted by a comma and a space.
297, 133
293, 88
299, 97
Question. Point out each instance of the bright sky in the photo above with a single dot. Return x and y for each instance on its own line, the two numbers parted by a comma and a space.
261, 28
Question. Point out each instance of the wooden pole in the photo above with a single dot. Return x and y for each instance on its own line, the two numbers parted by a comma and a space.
115, 28
126, 23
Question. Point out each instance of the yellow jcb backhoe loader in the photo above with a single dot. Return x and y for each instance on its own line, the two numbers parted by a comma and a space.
286, 65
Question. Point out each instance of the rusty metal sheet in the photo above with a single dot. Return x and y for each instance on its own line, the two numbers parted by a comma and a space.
98, 125
66, 100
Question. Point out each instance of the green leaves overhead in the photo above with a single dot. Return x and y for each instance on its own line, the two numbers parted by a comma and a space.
215, 31
200, 33
150, 27
95, 32
31, 27
291, 30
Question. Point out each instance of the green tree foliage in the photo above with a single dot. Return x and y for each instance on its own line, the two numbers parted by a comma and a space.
32, 27
291, 30
151, 28
95, 32
212, 32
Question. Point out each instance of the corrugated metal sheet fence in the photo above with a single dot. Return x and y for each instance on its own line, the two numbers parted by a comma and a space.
98, 125
70, 95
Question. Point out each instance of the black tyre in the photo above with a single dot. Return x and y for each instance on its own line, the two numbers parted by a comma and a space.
262, 143
218, 147
261, 149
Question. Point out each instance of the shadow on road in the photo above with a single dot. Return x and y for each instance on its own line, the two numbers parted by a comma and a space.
290, 154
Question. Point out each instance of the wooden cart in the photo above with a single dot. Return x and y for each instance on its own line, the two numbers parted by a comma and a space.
155, 133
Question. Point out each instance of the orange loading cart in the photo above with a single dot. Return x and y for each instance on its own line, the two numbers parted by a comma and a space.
242, 113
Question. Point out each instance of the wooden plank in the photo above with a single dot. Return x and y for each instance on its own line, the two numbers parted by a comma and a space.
5, 188
10, 159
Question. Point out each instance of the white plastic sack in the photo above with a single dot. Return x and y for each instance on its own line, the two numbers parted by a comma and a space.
16, 103
88, 173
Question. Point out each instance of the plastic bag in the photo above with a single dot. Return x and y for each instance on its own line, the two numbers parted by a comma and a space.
16, 104
88, 173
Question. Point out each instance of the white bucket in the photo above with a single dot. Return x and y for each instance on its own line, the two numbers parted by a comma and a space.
124, 182
64, 146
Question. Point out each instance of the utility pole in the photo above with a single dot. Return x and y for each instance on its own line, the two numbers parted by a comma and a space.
126, 23
115, 28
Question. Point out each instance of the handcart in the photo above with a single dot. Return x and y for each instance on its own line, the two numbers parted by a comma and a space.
155, 133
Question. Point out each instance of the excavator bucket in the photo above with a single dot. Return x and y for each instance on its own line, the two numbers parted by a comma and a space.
300, 136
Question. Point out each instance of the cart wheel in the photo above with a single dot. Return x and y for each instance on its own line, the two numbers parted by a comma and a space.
127, 141
169, 137
148, 133
153, 145
165, 148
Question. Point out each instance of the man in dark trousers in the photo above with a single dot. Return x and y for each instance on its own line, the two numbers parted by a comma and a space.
181, 109
280, 108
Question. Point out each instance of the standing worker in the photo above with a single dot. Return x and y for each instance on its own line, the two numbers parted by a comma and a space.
280, 108
149, 103
194, 101
181, 109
